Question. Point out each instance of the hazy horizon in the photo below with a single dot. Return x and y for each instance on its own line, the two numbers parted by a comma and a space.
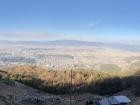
106, 21
69, 52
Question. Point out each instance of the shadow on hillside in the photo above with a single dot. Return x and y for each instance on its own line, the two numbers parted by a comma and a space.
106, 86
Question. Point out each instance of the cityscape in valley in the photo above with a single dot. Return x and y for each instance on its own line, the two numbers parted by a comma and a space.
69, 52
68, 71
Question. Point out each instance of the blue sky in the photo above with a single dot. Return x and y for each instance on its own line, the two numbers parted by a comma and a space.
92, 20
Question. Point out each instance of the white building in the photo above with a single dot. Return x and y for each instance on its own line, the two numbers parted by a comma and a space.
115, 100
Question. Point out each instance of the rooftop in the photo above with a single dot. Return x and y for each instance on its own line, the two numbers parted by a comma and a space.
114, 100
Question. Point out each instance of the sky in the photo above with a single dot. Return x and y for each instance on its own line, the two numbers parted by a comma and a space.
91, 20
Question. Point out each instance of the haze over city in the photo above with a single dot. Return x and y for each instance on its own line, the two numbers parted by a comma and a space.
69, 52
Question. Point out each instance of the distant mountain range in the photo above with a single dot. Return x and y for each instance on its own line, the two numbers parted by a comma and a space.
75, 43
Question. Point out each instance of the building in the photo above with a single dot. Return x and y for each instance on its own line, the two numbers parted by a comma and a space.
115, 100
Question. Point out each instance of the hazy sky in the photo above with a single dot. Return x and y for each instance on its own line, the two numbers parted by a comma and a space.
93, 20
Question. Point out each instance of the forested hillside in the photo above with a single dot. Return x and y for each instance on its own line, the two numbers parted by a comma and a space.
59, 82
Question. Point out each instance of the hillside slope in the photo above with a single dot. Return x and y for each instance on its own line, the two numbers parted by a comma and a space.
14, 93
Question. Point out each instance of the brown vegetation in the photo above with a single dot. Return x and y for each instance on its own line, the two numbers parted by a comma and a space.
58, 82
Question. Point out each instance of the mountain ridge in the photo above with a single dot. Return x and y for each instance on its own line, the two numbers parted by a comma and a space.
75, 43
